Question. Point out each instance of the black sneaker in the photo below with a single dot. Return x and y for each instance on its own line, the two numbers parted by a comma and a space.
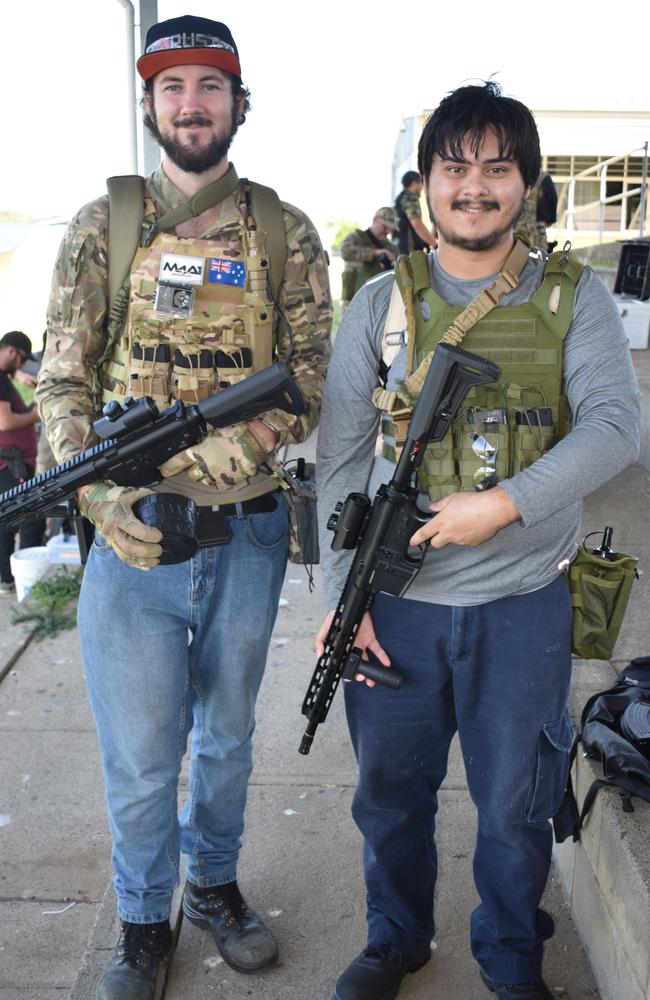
377, 973
137, 968
243, 939
535, 990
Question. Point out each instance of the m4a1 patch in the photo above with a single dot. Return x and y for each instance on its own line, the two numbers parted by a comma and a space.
226, 272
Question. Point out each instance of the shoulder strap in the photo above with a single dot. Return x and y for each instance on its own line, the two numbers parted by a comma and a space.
267, 209
485, 301
394, 326
125, 213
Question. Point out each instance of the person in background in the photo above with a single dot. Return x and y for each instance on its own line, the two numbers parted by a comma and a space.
18, 444
368, 252
540, 211
412, 234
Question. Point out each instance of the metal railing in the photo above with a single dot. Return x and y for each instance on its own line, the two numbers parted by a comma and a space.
569, 213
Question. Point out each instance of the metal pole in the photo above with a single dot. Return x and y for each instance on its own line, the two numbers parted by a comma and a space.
150, 148
644, 189
603, 195
570, 202
130, 72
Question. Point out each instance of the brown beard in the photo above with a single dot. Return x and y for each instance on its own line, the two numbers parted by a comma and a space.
186, 158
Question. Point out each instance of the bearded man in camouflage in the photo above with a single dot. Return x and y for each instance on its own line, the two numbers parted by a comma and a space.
190, 326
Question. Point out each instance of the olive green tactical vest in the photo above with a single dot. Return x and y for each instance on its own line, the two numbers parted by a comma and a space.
169, 352
525, 341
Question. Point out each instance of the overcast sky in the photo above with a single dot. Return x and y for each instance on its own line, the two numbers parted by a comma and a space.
330, 83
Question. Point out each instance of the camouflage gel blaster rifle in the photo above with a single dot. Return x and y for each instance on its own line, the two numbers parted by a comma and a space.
381, 531
136, 439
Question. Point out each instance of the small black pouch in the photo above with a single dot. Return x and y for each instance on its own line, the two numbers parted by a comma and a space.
301, 499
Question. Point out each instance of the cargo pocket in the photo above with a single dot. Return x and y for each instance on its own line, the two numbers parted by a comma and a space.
551, 770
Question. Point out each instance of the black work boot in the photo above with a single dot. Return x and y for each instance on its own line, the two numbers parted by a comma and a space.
535, 990
242, 938
137, 967
377, 973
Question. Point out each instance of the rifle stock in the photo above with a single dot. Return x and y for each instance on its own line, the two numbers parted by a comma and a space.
381, 532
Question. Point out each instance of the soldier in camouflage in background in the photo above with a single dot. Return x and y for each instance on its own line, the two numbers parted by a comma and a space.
412, 233
367, 252
540, 211
191, 325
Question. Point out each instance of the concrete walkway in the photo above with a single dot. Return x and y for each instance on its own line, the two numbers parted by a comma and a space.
301, 864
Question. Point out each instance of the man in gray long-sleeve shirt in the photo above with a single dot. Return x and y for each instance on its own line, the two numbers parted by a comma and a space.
483, 635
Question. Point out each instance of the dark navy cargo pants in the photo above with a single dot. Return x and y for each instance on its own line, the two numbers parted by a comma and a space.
498, 673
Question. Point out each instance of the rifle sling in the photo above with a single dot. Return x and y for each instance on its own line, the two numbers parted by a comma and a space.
204, 199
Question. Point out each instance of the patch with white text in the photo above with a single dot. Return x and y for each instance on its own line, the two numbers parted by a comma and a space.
181, 269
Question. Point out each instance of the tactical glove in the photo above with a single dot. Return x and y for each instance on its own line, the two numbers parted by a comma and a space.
229, 457
110, 508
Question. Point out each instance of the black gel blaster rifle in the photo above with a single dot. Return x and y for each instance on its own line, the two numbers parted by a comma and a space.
135, 440
381, 531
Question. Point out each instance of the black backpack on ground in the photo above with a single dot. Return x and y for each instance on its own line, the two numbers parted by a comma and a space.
616, 730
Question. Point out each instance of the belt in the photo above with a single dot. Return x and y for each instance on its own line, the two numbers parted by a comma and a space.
258, 505
212, 526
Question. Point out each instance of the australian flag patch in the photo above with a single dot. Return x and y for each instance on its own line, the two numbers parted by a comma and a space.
226, 272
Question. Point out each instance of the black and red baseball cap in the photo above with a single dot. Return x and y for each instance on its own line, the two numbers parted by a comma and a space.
20, 341
185, 41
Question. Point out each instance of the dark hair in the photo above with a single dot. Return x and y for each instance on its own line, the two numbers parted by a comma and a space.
468, 113
237, 88
409, 177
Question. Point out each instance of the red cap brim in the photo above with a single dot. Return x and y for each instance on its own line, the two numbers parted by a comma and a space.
152, 64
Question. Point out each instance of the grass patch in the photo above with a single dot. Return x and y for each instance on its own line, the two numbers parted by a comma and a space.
49, 601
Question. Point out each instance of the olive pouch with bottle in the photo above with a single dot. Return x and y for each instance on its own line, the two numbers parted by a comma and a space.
600, 581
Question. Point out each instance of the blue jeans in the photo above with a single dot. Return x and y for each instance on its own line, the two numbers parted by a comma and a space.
498, 673
149, 686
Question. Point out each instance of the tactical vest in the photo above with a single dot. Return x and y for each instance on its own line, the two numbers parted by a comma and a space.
200, 313
526, 412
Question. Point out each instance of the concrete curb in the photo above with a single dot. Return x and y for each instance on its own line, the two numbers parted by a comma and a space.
606, 874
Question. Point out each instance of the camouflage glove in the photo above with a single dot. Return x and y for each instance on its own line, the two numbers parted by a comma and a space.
229, 457
110, 508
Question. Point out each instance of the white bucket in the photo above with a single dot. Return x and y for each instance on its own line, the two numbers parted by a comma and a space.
28, 566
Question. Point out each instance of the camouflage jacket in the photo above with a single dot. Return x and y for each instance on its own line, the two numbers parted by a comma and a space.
409, 203
528, 225
361, 262
408, 207
77, 337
